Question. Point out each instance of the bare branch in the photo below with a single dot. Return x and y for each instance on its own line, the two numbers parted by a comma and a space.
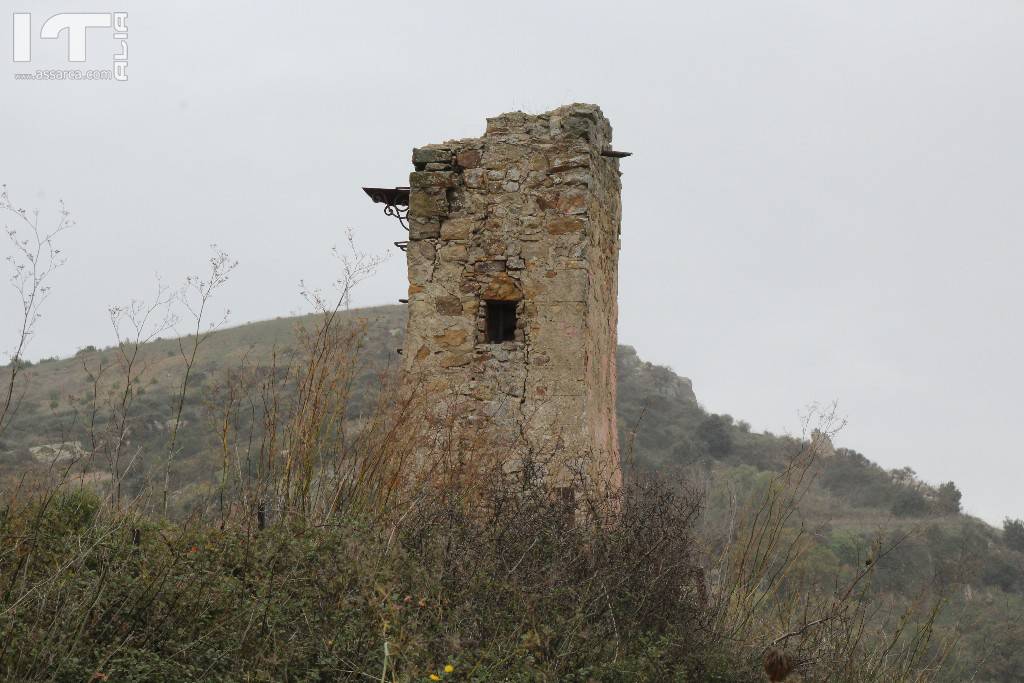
32, 264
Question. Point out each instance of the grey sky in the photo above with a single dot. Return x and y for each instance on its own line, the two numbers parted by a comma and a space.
824, 200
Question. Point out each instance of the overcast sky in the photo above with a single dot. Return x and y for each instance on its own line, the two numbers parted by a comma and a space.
825, 200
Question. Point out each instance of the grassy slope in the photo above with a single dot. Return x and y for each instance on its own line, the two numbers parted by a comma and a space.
659, 415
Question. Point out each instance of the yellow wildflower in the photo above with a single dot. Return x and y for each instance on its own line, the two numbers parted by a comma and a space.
435, 677
448, 668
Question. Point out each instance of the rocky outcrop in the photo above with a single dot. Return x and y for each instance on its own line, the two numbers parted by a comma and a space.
657, 379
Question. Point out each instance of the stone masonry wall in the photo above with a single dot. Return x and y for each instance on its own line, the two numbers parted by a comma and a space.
528, 213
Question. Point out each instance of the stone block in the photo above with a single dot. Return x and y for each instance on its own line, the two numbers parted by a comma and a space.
429, 155
567, 202
455, 360
474, 178
426, 179
468, 158
422, 252
458, 228
501, 287
448, 305
454, 251
564, 163
448, 273
531, 250
490, 266
427, 203
452, 338
560, 225
424, 230
576, 176
501, 155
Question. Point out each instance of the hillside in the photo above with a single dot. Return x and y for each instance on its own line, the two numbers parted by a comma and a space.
851, 506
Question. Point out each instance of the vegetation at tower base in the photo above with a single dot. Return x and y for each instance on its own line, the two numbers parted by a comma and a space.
680, 582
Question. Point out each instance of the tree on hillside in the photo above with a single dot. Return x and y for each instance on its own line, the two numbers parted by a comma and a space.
1013, 534
910, 503
714, 432
685, 452
947, 499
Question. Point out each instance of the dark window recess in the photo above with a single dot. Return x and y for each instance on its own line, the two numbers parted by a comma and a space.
501, 321
567, 496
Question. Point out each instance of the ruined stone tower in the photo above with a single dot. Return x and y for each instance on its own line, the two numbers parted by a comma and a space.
513, 275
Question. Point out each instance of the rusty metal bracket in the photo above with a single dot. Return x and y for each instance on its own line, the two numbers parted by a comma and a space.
394, 199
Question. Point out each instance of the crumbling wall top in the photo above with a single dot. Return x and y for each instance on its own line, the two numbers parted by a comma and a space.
584, 122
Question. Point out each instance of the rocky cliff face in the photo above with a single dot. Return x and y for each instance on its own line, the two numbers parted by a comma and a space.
658, 380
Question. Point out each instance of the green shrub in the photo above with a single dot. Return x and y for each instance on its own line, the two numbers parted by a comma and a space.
714, 432
947, 500
528, 591
910, 503
1013, 534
